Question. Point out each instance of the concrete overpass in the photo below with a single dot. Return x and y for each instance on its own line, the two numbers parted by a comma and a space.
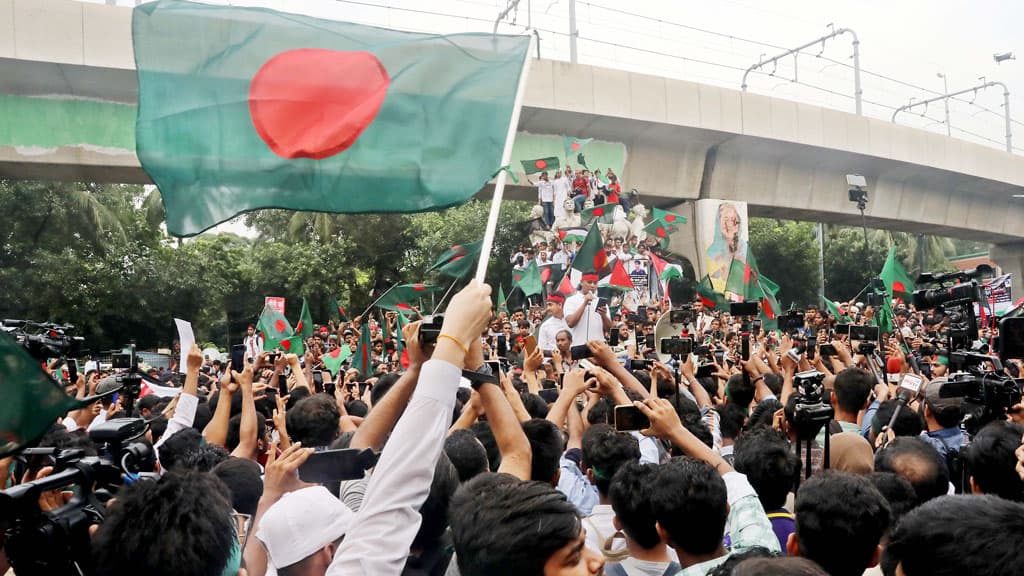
68, 88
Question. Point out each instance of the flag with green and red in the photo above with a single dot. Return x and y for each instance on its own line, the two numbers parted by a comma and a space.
502, 300
304, 328
574, 235
602, 214
708, 296
459, 261
336, 309
573, 145
335, 358
549, 272
402, 297
248, 108
591, 256
897, 281
670, 218
528, 279
661, 230
362, 359
619, 278
540, 165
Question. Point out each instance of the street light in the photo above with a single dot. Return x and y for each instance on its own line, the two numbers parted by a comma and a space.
945, 101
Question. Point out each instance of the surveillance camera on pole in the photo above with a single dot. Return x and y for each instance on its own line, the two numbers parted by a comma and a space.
858, 190
1000, 58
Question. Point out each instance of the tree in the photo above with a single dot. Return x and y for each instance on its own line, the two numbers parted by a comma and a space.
787, 252
847, 270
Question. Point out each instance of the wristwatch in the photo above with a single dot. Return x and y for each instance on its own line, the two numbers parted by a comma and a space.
480, 376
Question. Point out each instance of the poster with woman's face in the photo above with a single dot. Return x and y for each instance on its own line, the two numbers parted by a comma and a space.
722, 226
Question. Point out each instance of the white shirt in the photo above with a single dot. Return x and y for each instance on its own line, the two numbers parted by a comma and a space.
600, 527
560, 257
549, 329
562, 188
546, 191
590, 327
253, 345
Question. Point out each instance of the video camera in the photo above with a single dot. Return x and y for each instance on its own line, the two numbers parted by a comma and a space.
57, 542
430, 329
44, 340
955, 300
810, 411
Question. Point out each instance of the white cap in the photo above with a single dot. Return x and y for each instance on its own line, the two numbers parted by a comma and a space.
302, 522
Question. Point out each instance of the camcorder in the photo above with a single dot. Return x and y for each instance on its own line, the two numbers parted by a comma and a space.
430, 329
57, 542
683, 315
44, 340
810, 411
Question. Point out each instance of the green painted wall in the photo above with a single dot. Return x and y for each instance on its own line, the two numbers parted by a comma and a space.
52, 122
599, 154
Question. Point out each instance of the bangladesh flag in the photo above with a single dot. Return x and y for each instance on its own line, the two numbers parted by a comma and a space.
602, 177
528, 279
404, 296
582, 161
502, 300
550, 272
32, 401
667, 217
574, 145
708, 296
591, 256
336, 309
603, 214
304, 328
833, 309
897, 282
276, 330
540, 165
335, 358
247, 108
740, 280
459, 261
362, 359
660, 230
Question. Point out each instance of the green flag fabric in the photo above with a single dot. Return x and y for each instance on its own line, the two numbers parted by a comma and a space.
671, 272
502, 300
335, 358
602, 213
276, 330
602, 177
403, 296
660, 230
668, 217
739, 279
573, 145
591, 256
32, 401
528, 279
897, 281
459, 261
833, 309
708, 296
362, 358
305, 326
337, 310
247, 108
540, 165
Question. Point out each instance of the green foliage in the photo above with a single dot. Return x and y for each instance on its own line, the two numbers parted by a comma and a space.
787, 252
847, 270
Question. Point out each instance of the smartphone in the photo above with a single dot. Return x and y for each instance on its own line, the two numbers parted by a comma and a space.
602, 302
530, 344
548, 383
812, 345
649, 341
335, 465
495, 366
629, 417
864, 333
680, 316
755, 327
827, 350
613, 337
641, 313
911, 383
676, 346
581, 351
330, 387
1011, 338
72, 370
743, 308
318, 380
705, 370
238, 357
550, 395
842, 329
635, 364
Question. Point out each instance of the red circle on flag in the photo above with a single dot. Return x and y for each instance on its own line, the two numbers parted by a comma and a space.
599, 212
898, 286
298, 327
314, 103
670, 218
574, 146
279, 325
660, 232
541, 164
286, 344
600, 260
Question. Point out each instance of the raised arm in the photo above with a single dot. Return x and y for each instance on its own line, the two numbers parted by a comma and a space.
247, 432
216, 432
605, 358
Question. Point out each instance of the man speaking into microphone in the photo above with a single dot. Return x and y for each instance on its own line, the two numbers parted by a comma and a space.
585, 313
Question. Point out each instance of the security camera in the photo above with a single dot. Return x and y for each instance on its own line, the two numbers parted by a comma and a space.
856, 180
999, 58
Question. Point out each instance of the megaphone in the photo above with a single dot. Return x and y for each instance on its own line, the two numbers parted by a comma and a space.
667, 335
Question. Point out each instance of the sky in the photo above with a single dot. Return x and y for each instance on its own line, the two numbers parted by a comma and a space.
904, 44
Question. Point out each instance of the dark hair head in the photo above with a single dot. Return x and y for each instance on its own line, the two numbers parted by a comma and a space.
313, 421
295, 396
486, 437
762, 414
382, 386
203, 458
630, 498
242, 478
897, 492
728, 567
732, 418
840, 519
689, 502
908, 422
956, 535
357, 408
852, 388
547, 444
434, 510
157, 427
918, 462
782, 566
535, 405
132, 538
990, 461
235, 424
774, 383
739, 390
503, 526
202, 417
466, 453
172, 452
764, 456
600, 412
605, 451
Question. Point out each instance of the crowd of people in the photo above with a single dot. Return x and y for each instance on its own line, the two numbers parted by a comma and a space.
558, 440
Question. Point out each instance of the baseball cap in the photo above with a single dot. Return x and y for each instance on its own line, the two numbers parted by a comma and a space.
302, 522
933, 397
107, 384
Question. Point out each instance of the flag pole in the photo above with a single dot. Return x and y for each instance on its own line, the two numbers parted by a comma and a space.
443, 298
506, 158
370, 307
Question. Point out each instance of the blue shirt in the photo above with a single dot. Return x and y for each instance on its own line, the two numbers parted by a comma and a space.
945, 440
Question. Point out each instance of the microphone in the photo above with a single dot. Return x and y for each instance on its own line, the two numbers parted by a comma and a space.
893, 367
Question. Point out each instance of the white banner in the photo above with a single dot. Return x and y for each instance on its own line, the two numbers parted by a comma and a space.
997, 291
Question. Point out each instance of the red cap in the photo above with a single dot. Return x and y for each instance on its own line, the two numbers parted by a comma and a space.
590, 277
893, 366
556, 297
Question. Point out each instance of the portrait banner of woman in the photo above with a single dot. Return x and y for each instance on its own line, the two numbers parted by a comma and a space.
722, 227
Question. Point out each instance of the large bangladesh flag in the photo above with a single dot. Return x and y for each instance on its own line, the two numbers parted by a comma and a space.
246, 108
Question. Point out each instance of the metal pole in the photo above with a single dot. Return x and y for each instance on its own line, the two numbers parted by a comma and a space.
511, 6
1006, 112
857, 92
821, 260
945, 101
572, 31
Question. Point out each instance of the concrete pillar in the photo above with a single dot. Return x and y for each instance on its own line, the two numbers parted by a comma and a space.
1010, 258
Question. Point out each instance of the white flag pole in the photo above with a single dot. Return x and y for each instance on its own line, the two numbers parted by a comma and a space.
506, 158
